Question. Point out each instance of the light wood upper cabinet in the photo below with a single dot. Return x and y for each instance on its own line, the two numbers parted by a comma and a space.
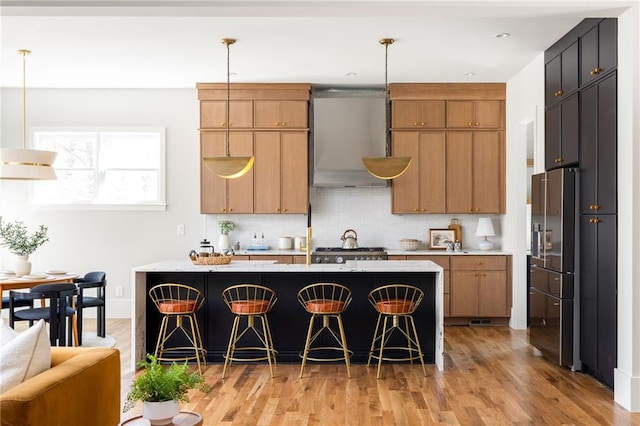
418, 115
280, 114
421, 189
475, 114
474, 164
218, 195
213, 114
281, 172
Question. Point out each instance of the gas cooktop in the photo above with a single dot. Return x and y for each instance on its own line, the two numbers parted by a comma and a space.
341, 255
366, 249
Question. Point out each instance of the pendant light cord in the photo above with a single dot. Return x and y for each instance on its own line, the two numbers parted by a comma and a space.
387, 112
24, 54
228, 96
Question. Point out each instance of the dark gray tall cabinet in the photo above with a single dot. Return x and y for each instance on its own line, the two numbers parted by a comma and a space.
581, 129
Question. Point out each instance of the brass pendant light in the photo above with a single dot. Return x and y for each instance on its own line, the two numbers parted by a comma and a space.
229, 167
386, 167
23, 163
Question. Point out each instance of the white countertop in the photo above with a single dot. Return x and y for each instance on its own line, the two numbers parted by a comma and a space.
271, 266
390, 251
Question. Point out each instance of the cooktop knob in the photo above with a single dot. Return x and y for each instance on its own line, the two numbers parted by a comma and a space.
339, 259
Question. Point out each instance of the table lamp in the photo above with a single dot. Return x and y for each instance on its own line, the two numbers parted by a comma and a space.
485, 229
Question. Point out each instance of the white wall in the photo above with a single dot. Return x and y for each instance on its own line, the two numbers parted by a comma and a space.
116, 241
627, 373
525, 104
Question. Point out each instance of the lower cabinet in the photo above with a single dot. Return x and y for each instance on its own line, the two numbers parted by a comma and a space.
480, 288
475, 286
279, 258
598, 295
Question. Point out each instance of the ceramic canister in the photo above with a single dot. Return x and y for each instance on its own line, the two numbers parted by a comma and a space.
285, 243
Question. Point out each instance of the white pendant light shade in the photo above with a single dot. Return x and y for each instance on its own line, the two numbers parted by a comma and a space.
23, 163
26, 164
229, 167
387, 167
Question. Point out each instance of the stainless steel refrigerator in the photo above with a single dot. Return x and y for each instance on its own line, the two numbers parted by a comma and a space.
553, 301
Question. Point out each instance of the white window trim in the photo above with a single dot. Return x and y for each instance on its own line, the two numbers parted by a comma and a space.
160, 205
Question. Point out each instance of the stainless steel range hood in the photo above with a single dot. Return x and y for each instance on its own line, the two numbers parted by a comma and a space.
347, 124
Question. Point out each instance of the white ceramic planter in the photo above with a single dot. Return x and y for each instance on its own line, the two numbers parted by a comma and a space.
23, 266
223, 242
160, 413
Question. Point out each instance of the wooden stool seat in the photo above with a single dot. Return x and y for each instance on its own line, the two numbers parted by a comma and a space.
395, 303
249, 302
325, 301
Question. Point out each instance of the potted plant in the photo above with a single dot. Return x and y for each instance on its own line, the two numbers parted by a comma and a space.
161, 388
15, 237
225, 226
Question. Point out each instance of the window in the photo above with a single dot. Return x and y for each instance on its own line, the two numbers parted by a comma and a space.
117, 168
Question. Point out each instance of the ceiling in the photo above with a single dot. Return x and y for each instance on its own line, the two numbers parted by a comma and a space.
175, 44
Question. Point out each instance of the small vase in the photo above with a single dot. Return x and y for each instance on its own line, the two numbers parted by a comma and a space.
223, 242
23, 266
160, 413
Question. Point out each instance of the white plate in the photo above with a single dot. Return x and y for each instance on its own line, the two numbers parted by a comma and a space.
8, 272
34, 277
55, 272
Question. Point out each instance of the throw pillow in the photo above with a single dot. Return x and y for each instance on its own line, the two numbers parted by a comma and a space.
24, 356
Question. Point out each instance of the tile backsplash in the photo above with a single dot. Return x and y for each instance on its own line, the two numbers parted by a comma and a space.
334, 210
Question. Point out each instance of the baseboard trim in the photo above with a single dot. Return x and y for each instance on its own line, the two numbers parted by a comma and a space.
626, 390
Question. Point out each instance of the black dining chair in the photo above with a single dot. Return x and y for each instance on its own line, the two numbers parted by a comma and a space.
57, 310
93, 280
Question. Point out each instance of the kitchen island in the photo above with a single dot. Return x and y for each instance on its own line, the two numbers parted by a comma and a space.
288, 319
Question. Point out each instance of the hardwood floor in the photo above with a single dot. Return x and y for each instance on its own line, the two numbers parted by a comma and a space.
492, 377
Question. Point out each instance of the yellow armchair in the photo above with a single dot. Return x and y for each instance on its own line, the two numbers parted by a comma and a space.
82, 387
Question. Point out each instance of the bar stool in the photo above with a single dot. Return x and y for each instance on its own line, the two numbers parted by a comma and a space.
325, 300
250, 301
393, 302
179, 302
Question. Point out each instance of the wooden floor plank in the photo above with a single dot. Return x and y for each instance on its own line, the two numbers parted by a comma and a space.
492, 377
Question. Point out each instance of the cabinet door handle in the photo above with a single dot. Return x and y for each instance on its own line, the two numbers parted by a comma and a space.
276, 124
422, 123
283, 124
223, 123
415, 124
230, 210
558, 160
223, 210
284, 210
595, 71
415, 210
595, 207
595, 221
277, 210
558, 93
475, 275
477, 124
471, 209
469, 124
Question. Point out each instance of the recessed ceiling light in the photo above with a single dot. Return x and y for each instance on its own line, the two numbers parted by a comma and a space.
351, 74
469, 74
502, 35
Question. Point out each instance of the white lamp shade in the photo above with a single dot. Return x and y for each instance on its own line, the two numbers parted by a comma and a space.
26, 164
485, 228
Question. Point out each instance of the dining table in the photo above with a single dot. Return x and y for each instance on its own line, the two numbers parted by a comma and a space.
11, 282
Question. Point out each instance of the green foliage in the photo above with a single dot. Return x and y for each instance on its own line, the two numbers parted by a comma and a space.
159, 383
226, 226
14, 236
